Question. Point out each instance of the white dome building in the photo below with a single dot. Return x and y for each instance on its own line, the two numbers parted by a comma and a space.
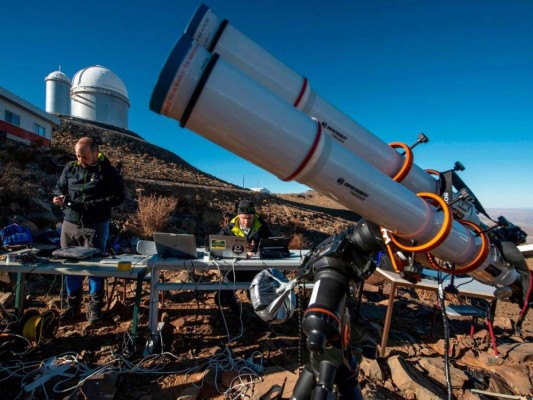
57, 93
97, 94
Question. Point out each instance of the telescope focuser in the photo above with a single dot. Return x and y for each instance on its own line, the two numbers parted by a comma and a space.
458, 166
422, 138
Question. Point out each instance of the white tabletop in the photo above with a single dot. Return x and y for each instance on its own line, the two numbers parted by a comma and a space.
250, 264
465, 285
91, 267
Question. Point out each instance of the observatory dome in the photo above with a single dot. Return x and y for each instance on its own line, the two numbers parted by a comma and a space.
57, 93
57, 75
99, 77
97, 94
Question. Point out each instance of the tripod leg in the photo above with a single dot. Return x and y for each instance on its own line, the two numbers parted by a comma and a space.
349, 388
327, 372
304, 385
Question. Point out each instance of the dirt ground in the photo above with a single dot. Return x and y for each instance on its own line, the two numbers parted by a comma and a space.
203, 345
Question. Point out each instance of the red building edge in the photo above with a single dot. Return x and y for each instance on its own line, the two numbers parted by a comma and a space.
24, 135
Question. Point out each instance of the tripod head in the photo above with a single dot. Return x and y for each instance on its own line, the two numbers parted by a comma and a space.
331, 266
351, 248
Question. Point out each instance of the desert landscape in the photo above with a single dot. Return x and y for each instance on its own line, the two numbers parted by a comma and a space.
208, 352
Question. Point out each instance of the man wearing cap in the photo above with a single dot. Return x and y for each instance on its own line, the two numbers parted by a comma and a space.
247, 224
87, 190
251, 226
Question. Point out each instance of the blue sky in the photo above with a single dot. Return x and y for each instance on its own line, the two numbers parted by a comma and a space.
459, 71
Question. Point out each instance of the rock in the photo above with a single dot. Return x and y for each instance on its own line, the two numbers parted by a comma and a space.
372, 392
468, 395
212, 377
100, 386
387, 289
454, 350
372, 289
435, 369
487, 360
117, 308
505, 348
515, 376
228, 378
7, 299
503, 323
190, 393
428, 352
178, 323
520, 353
412, 382
371, 369
54, 304
277, 376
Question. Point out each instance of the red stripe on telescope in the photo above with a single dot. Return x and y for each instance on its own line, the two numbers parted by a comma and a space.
301, 94
309, 154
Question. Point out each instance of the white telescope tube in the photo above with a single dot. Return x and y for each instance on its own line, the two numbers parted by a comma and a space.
218, 36
214, 99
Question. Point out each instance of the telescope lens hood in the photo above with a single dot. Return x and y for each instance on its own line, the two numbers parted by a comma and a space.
175, 59
196, 20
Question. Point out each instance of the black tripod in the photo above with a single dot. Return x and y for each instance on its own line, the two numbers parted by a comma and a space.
332, 370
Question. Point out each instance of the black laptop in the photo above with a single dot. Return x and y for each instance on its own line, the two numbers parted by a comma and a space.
274, 247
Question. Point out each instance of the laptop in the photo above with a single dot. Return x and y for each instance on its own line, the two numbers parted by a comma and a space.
223, 246
274, 247
175, 245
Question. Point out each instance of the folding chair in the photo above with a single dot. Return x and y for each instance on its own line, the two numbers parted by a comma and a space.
475, 313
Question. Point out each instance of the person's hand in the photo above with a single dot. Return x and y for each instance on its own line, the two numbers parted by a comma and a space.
59, 200
250, 246
77, 206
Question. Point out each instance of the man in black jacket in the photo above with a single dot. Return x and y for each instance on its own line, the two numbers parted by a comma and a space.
87, 190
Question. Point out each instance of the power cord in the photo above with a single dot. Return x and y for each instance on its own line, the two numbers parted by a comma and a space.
446, 335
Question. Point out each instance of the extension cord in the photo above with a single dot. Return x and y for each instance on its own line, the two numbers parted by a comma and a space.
150, 344
50, 371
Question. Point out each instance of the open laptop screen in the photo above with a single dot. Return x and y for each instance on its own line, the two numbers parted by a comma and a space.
274, 247
175, 245
224, 246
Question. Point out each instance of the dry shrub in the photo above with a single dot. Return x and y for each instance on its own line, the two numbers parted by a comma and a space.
153, 213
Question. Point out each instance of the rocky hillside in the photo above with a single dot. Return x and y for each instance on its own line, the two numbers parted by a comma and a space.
196, 329
202, 200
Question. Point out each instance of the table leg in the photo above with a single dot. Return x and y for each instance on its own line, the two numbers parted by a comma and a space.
388, 317
153, 317
19, 294
137, 304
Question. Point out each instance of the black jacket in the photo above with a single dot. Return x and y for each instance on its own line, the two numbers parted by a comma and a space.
90, 192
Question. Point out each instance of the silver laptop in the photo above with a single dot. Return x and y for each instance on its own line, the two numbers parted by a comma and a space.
175, 245
223, 246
